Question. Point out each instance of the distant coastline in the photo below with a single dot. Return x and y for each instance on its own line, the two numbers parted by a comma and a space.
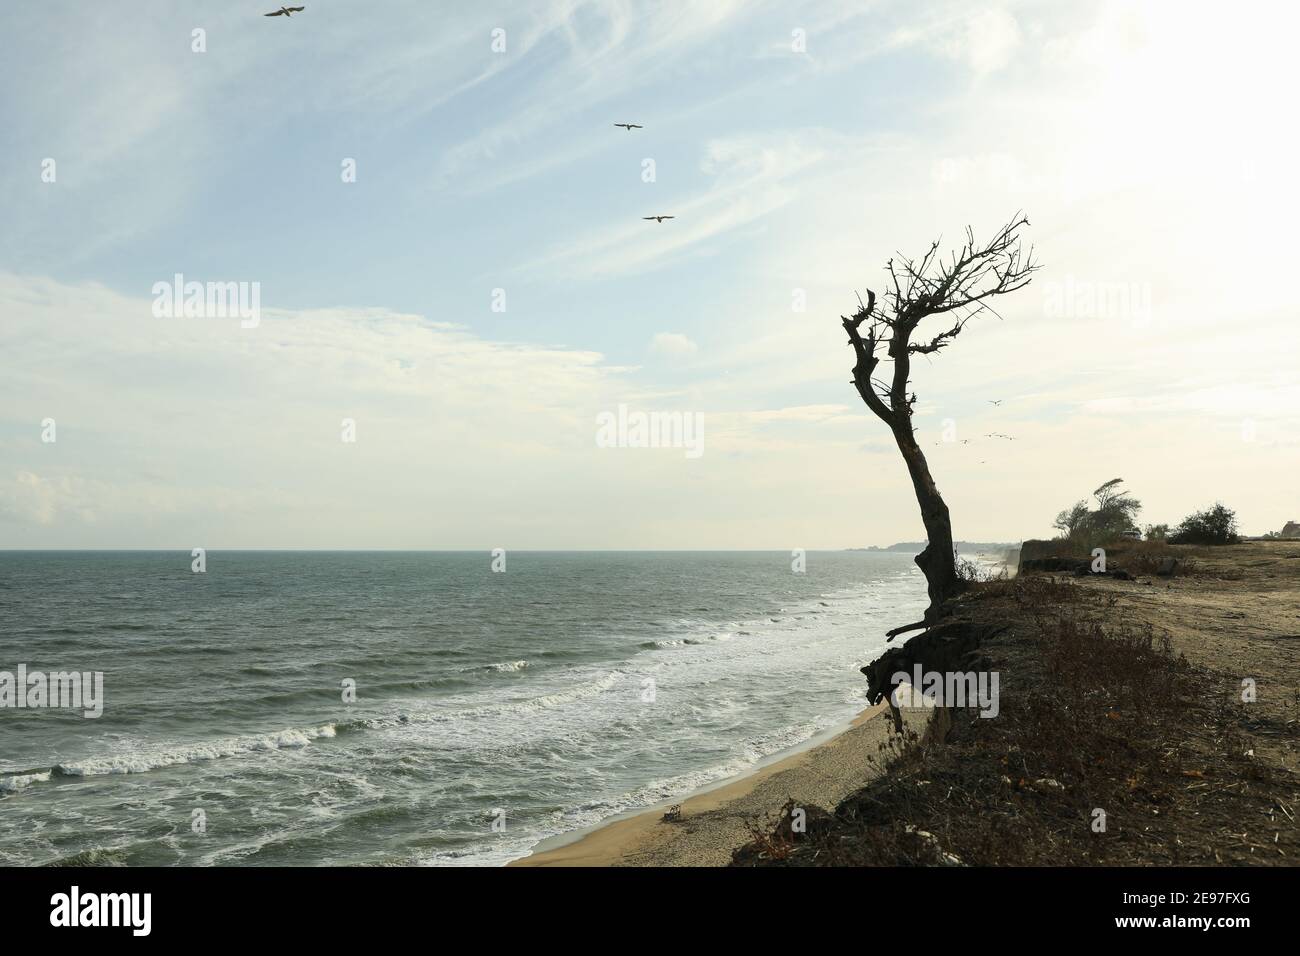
916, 547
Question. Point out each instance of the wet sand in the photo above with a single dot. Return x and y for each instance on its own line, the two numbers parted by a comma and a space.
713, 822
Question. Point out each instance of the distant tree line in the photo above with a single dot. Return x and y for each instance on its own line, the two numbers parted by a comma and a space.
1114, 516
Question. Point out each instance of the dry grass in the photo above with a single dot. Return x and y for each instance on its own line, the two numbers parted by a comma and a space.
971, 573
1136, 557
1096, 715
1145, 557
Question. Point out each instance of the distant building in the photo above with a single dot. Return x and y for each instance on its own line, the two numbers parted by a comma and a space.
1290, 530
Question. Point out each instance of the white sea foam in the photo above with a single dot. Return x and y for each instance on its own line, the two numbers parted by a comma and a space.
142, 761
581, 733
660, 791
20, 781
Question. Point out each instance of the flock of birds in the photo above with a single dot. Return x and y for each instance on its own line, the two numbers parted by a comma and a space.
290, 11
999, 435
629, 127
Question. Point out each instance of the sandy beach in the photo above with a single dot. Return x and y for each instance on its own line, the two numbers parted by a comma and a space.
713, 822
1195, 774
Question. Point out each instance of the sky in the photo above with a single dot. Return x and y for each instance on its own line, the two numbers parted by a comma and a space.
444, 229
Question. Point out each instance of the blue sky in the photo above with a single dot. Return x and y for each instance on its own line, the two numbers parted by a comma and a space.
1142, 140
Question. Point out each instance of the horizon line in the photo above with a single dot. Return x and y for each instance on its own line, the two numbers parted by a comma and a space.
481, 550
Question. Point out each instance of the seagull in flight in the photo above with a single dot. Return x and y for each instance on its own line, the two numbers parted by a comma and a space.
630, 126
658, 218
285, 12
995, 401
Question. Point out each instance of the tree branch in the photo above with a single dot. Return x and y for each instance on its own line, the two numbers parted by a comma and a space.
867, 360
930, 286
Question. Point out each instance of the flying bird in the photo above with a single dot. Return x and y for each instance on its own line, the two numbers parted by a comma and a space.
285, 12
658, 218
630, 126
995, 401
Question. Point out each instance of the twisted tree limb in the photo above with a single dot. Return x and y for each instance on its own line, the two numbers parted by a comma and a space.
963, 283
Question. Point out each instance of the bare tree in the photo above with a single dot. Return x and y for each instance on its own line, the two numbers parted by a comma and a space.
957, 289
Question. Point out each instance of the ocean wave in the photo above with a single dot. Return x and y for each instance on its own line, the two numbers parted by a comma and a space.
96, 856
506, 667
143, 761
845, 603
671, 642
581, 692
448, 714
752, 752
423, 683
20, 781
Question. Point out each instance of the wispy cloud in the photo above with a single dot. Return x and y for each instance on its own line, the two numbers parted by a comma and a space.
673, 344
750, 177
793, 176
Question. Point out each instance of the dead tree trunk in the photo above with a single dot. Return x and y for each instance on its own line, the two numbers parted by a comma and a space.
937, 560
919, 290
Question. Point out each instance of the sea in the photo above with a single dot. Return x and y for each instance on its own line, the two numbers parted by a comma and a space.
412, 708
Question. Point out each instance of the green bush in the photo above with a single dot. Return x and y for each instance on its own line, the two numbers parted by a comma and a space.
1217, 525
